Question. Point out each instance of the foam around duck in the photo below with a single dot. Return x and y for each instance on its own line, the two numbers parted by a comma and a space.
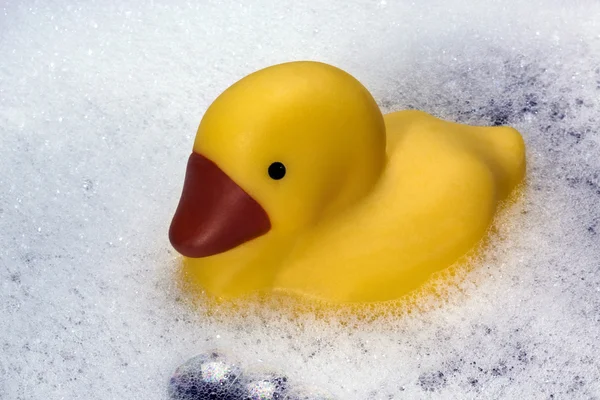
298, 183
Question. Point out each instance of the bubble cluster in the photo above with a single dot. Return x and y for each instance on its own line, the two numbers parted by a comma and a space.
214, 377
206, 377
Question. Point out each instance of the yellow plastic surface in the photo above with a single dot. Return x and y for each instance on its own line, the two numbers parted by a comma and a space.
371, 205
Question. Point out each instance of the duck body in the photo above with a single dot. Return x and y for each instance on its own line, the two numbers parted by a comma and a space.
368, 207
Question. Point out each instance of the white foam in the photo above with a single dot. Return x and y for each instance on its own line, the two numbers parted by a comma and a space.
99, 104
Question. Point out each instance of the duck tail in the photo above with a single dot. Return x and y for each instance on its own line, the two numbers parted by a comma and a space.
509, 155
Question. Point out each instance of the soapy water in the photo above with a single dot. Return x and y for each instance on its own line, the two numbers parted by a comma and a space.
98, 108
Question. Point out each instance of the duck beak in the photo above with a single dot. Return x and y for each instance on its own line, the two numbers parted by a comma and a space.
214, 214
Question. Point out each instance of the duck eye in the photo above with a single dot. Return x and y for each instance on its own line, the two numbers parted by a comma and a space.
276, 170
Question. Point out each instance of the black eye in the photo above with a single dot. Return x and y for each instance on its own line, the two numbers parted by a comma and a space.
276, 170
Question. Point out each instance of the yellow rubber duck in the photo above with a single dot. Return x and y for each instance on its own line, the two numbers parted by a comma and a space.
298, 183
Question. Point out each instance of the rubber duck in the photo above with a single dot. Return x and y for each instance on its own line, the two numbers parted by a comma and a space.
297, 183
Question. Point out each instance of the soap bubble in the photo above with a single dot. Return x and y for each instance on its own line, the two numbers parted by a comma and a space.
214, 376
206, 376
269, 387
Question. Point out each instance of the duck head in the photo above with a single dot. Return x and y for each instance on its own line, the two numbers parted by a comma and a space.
274, 154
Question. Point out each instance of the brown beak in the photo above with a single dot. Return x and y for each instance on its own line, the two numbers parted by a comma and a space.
214, 214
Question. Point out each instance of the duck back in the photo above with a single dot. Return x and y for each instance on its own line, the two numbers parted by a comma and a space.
434, 202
